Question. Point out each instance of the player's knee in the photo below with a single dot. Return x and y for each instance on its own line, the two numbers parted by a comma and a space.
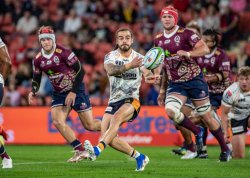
58, 122
173, 107
238, 155
203, 109
216, 117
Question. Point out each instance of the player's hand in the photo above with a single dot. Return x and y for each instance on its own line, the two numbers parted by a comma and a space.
31, 97
150, 79
208, 78
136, 62
161, 99
70, 99
157, 79
182, 53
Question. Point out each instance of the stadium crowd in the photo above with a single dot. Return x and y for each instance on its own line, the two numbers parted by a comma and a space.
87, 26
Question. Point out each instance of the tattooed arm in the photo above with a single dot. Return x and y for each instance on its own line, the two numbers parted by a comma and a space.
114, 70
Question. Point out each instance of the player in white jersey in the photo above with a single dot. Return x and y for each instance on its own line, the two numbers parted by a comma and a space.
5, 66
125, 74
236, 108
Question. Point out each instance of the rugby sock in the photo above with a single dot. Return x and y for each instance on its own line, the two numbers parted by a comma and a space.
99, 148
219, 137
188, 124
204, 138
3, 153
77, 145
134, 154
190, 147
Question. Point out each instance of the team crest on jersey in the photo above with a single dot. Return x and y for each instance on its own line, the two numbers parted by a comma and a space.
212, 60
56, 60
177, 39
58, 50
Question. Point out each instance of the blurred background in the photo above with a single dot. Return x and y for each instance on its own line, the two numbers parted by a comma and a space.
88, 26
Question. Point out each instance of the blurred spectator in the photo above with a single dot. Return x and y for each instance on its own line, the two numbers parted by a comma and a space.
27, 23
212, 19
72, 22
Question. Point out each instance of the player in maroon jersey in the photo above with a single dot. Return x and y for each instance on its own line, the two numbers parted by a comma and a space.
65, 73
5, 66
185, 79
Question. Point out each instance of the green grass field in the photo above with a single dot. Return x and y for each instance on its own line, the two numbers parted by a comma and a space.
50, 161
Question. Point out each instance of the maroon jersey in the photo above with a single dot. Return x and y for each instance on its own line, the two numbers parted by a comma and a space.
58, 68
179, 69
215, 62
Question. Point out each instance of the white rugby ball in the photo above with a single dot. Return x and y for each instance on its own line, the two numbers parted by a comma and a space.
153, 58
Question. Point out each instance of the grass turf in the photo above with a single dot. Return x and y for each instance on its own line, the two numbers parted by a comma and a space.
50, 161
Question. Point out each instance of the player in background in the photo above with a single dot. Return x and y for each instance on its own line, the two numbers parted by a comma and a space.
236, 109
185, 79
216, 69
5, 67
65, 73
125, 74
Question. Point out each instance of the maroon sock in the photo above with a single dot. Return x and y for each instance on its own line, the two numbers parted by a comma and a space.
80, 148
190, 126
220, 138
5, 155
190, 147
204, 137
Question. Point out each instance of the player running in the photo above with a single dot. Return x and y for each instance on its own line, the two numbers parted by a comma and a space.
125, 74
185, 79
65, 73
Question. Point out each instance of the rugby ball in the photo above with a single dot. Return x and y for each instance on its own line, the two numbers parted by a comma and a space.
153, 58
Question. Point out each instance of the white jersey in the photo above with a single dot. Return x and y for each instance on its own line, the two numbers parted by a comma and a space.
238, 101
127, 84
1, 43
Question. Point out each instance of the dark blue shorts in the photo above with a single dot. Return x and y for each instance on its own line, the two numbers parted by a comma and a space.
195, 89
82, 102
1, 93
215, 99
113, 107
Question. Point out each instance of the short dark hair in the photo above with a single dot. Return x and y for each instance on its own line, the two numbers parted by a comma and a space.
214, 34
244, 71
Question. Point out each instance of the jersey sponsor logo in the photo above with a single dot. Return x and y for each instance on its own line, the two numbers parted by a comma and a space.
167, 41
226, 63
42, 64
129, 76
58, 50
109, 109
194, 36
56, 60
71, 56
48, 62
229, 93
238, 129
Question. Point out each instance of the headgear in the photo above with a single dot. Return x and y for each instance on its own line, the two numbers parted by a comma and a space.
171, 11
46, 32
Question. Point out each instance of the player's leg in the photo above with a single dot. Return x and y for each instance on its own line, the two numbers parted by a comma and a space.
173, 105
88, 121
203, 109
238, 143
123, 114
59, 116
7, 161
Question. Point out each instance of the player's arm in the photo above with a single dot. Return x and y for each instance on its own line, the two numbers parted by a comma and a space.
148, 75
163, 88
225, 109
77, 67
5, 63
36, 80
113, 70
217, 77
